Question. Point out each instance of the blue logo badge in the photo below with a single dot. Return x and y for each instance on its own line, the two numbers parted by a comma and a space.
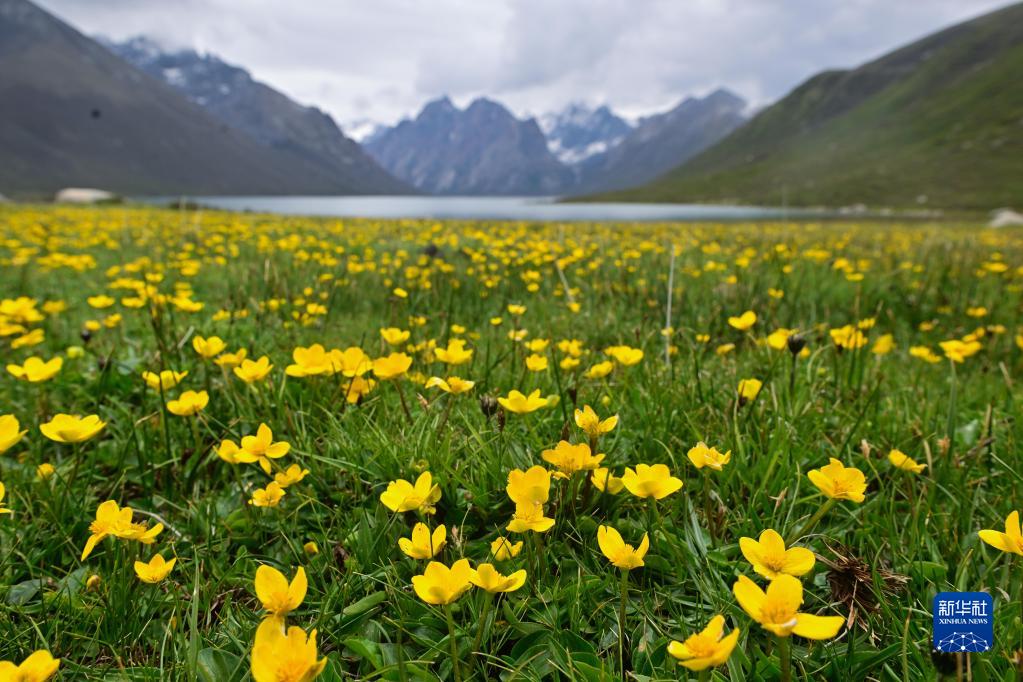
963, 622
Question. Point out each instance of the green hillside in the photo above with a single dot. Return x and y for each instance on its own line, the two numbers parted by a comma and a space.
938, 123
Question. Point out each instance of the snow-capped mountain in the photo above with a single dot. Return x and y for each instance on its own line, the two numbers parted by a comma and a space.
271, 118
579, 131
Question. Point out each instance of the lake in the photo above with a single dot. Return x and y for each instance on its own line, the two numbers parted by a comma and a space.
484, 208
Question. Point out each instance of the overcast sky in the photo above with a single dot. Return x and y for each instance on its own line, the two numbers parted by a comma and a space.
382, 59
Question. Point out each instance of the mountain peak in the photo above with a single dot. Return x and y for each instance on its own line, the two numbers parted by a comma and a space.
580, 131
483, 149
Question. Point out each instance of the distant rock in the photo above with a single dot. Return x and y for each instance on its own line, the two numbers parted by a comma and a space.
1005, 217
83, 195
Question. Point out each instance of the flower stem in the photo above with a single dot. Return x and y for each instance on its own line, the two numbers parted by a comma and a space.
456, 666
785, 659
401, 397
484, 615
812, 521
621, 621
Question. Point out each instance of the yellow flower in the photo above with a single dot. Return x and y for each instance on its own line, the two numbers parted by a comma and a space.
770, 559
402, 496
839, 482
356, 388
3, 493
516, 309
280, 657
530, 516
188, 403
276, 594
38, 667
45, 470
394, 336
35, 370
569, 363
451, 384
269, 496
100, 302
587, 420
165, 380
156, 570
311, 361
66, 428
625, 355
924, 353
392, 366
957, 351
604, 481
520, 404
209, 347
112, 520
231, 360
885, 344
744, 321
1009, 541
536, 363
423, 544
486, 577
290, 476
310, 548
260, 448
10, 432
848, 337
599, 370
503, 549
724, 349
777, 610
455, 353
442, 585
707, 648
749, 389
650, 481
779, 338
625, 557
352, 361
33, 338
251, 371
532, 486
702, 456
569, 458
902, 461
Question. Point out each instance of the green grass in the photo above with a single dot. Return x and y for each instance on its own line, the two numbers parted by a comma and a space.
851, 405
933, 125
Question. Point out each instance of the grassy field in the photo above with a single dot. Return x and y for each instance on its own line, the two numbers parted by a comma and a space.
861, 340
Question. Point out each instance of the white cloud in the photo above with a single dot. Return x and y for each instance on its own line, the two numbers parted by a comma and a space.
383, 60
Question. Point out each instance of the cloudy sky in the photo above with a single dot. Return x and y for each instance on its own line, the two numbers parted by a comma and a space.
382, 59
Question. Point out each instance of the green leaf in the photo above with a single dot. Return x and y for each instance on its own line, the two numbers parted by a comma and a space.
23, 592
216, 665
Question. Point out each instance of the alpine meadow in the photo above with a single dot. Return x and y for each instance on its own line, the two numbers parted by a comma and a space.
410, 450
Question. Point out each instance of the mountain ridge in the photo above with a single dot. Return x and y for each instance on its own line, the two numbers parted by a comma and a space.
231, 95
76, 115
935, 123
